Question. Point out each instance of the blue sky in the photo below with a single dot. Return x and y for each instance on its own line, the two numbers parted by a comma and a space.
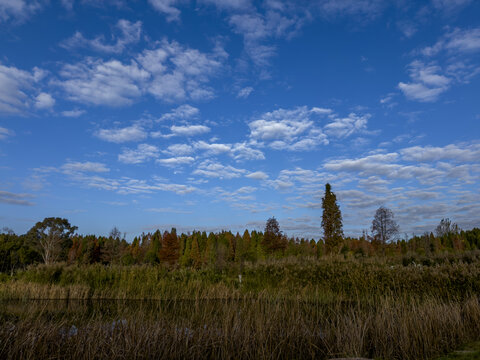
218, 114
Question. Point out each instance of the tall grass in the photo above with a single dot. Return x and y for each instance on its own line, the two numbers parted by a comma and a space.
249, 329
307, 279
281, 309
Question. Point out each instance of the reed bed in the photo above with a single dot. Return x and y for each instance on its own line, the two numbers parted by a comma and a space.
280, 309
245, 329
286, 278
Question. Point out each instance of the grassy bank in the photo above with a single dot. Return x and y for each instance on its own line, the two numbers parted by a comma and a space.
306, 279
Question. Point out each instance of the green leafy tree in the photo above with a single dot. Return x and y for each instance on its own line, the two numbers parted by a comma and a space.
53, 238
331, 221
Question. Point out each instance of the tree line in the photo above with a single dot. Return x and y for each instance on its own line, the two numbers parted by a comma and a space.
55, 239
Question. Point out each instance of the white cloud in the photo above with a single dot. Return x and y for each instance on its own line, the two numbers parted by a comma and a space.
166, 7
15, 199
142, 153
229, 4
256, 29
395, 165
18, 10
189, 130
127, 185
129, 33
450, 5
169, 72
213, 169
238, 151
182, 112
422, 195
120, 135
245, 92
179, 149
359, 8
243, 151
257, 175
95, 167
321, 111
344, 127
5, 133
103, 83
281, 124
168, 210
457, 153
175, 161
288, 129
427, 82
44, 101
73, 113
179, 72
214, 148
15, 85
456, 41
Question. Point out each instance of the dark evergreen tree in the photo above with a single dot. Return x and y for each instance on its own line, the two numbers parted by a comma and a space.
273, 238
331, 221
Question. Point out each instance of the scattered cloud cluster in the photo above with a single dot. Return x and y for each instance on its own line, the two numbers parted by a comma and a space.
301, 129
454, 50
427, 82
142, 153
168, 72
17, 90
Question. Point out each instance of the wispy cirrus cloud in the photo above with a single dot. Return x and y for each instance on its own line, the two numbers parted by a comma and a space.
6, 133
167, 7
129, 33
18, 10
10, 198
87, 166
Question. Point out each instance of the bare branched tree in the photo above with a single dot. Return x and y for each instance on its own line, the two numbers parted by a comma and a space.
384, 227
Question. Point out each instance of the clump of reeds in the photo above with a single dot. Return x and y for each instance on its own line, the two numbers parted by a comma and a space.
262, 328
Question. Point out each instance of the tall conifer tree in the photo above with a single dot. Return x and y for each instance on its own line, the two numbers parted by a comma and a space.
331, 220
